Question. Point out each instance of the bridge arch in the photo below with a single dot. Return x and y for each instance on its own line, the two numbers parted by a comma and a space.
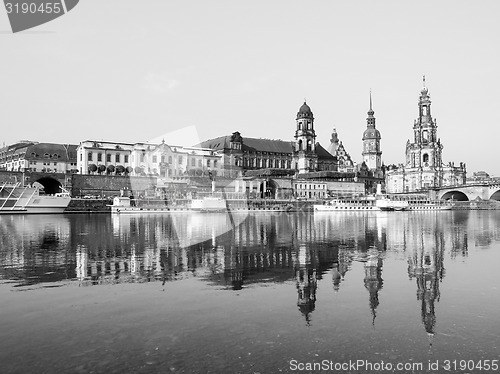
495, 195
455, 195
50, 185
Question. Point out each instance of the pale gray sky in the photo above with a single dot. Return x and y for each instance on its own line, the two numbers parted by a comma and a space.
132, 70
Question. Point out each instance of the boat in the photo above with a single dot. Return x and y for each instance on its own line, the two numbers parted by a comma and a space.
389, 204
361, 203
209, 204
424, 203
125, 205
15, 198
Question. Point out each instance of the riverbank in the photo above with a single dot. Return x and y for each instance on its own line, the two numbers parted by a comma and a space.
80, 205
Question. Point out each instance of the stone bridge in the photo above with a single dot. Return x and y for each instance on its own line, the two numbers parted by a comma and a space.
50, 181
469, 192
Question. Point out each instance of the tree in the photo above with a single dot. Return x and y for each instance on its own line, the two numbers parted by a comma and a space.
92, 168
120, 169
110, 169
129, 169
137, 170
101, 169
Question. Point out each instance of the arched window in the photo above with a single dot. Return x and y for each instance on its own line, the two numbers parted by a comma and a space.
425, 136
425, 159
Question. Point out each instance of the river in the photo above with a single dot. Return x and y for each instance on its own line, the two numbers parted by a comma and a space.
250, 293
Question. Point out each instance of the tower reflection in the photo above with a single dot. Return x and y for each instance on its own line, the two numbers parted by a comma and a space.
299, 249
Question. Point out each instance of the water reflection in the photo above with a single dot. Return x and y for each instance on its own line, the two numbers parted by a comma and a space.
236, 253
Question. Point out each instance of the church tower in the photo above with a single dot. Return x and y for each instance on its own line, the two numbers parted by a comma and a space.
372, 155
305, 140
425, 152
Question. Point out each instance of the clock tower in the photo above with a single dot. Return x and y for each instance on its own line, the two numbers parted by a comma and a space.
305, 140
372, 155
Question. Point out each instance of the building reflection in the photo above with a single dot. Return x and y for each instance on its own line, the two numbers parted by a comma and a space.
239, 252
373, 280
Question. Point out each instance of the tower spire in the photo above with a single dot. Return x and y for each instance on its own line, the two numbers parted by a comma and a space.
424, 80
371, 100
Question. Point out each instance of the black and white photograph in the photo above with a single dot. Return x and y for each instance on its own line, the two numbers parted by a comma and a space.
254, 187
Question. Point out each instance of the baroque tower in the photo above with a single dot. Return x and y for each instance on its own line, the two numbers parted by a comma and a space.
424, 168
305, 140
372, 155
425, 152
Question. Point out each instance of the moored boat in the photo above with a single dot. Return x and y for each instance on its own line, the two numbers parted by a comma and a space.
125, 205
362, 203
15, 198
424, 203
389, 204
209, 204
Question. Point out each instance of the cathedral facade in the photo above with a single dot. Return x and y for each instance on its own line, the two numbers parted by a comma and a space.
424, 168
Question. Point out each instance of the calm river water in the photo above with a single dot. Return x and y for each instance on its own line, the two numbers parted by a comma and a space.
258, 293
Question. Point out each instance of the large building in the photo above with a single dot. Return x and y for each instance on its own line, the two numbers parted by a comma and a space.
145, 159
239, 155
28, 156
424, 168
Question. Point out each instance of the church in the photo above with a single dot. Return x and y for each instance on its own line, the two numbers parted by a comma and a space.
424, 168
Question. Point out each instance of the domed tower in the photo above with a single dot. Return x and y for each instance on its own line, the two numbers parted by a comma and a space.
305, 140
372, 155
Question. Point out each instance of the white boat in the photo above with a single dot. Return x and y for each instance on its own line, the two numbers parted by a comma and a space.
424, 203
362, 203
388, 204
209, 204
347, 204
15, 198
124, 205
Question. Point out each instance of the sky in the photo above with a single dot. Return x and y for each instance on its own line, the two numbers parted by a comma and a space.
131, 71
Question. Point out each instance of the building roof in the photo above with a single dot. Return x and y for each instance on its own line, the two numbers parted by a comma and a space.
61, 152
323, 154
250, 145
216, 144
305, 112
267, 145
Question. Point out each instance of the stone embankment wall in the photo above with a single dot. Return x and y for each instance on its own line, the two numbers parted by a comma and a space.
89, 206
477, 205
109, 185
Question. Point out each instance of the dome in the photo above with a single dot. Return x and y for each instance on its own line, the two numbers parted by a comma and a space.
304, 111
371, 134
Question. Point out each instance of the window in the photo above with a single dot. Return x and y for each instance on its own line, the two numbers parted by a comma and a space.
193, 162
208, 163
215, 163
99, 157
180, 159
108, 157
162, 158
199, 163
169, 159
142, 157
89, 156
154, 159
126, 158
117, 157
